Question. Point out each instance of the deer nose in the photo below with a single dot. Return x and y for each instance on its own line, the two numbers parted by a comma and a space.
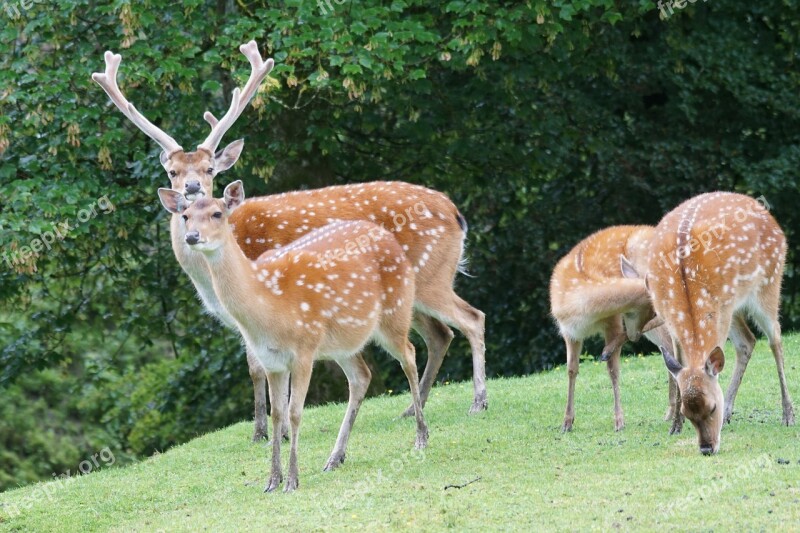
706, 449
192, 187
192, 237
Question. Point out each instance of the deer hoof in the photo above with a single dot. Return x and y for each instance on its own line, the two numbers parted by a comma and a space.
788, 416
479, 404
334, 462
274, 483
291, 484
421, 441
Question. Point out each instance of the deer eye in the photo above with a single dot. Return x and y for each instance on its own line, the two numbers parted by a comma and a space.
173, 173
210, 171
218, 214
185, 218
714, 409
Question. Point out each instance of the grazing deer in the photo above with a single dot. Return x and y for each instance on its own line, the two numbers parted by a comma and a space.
426, 223
714, 259
297, 304
589, 296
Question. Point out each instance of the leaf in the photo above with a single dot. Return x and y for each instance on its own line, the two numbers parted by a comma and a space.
211, 86
352, 69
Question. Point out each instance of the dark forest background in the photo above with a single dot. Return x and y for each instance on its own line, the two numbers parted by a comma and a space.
544, 121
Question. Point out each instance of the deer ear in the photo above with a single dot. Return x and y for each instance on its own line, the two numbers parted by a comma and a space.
715, 362
228, 156
628, 270
173, 201
234, 195
164, 159
673, 365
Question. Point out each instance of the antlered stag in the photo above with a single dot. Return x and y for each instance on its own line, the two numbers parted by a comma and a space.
297, 304
589, 296
426, 223
714, 259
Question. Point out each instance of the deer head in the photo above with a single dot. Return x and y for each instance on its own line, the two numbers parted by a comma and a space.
205, 219
701, 396
192, 173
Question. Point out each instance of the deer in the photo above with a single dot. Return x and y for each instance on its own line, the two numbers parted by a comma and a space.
714, 260
297, 304
434, 241
431, 231
590, 296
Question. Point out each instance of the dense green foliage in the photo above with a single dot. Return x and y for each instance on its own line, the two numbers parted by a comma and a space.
525, 475
543, 120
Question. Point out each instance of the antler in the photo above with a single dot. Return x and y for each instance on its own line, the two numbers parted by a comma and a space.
240, 99
108, 81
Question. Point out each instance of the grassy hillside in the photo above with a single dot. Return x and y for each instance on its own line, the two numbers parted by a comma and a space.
528, 474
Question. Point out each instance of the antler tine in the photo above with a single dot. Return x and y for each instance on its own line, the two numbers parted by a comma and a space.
259, 67
258, 71
108, 81
222, 125
210, 118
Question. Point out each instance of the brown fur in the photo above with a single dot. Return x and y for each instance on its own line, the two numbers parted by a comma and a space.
192, 173
427, 226
714, 258
295, 305
589, 295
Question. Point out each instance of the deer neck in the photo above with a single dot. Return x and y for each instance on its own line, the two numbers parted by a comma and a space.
236, 286
196, 268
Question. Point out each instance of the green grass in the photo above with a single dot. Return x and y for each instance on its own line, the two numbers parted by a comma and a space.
530, 476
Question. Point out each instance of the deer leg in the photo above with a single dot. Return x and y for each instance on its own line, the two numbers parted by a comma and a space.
614, 344
767, 320
744, 342
259, 378
445, 305
786, 400
437, 337
673, 392
277, 399
407, 360
677, 419
301, 379
358, 378
573, 360
395, 340
615, 337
